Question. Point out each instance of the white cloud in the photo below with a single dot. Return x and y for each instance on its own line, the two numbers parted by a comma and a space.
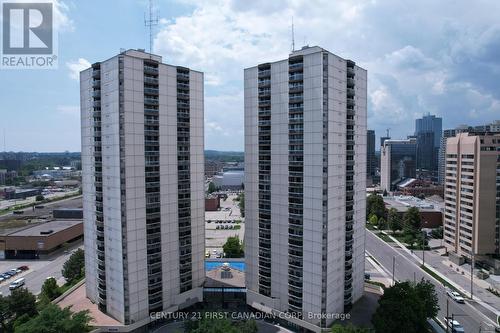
414, 57
75, 67
62, 21
68, 110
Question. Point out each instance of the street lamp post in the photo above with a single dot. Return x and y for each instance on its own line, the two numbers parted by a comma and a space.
393, 264
472, 276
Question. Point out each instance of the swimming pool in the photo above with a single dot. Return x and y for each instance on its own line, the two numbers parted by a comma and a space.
239, 265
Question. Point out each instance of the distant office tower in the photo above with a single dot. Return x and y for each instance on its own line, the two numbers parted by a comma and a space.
472, 194
143, 186
428, 131
371, 160
397, 162
442, 153
383, 138
305, 160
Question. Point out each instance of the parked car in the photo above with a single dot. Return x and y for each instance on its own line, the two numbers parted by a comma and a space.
8, 273
13, 270
226, 227
5, 276
217, 227
17, 284
455, 296
23, 268
230, 227
454, 325
1, 279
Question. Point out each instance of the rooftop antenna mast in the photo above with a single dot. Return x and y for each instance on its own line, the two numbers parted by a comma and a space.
388, 132
293, 37
151, 22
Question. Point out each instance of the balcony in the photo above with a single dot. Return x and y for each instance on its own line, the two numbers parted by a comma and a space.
296, 88
182, 105
183, 76
181, 85
264, 103
182, 95
350, 82
150, 110
264, 83
96, 73
350, 72
295, 77
151, 91
96, 83
295, 67
296, 108
265, 73
150, 80
96, 94
150, 101
97, 104
264, 92
151, 70
350, 103
350, 92
296, 98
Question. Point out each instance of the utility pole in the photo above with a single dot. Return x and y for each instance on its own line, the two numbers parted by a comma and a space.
472, 277
447, 309
393, 264
423, 248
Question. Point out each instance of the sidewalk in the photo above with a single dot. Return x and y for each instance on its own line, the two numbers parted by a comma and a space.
437, 264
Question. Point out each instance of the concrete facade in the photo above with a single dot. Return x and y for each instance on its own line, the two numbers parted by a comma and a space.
142, 135
305, 182
472, 194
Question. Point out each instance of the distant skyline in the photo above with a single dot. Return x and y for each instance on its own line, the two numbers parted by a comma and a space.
438, 57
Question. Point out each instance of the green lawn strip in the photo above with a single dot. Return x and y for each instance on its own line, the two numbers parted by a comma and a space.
440, 279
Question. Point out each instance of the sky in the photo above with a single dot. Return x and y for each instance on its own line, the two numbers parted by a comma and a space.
439, 57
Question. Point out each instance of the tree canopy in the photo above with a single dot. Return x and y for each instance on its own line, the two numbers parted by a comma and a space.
233, 248
375, 206
408, 305
53, 319
218, 325
74, 267
412, 225
337, 328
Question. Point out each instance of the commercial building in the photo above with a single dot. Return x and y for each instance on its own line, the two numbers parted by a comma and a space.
371, 159
428, 131
397, 162
305, 170
431, 214
21, 193
418, 187
212, 203
143, 185
472, 195
38, 241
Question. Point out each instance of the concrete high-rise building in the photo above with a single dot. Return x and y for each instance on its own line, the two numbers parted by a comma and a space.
305, 199
494, 127
143, 185
428, 132
472, 195
371, 159
397, 162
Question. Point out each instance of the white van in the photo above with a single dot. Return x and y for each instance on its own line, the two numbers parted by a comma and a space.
16, 284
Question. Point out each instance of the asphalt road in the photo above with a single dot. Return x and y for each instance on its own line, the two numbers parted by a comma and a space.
406, 269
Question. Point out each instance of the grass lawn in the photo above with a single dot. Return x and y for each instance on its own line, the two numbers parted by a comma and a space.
437, 277
384, 237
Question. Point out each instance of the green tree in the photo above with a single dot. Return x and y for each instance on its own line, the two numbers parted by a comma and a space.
54, 319
21, 301
248, 326
382, 224
407, 305
375, 205
233, 248
211, 188
373, 220
394, 220
39, 197
50, 291
337, 328
437, 232
74, 267
5, 313
241, 203
412, 224
209, 325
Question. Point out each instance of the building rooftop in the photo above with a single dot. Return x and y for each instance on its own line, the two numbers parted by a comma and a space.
225, 276
403, 202
55, 226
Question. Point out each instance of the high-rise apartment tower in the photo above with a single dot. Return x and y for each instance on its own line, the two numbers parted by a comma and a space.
143, 192
305, 169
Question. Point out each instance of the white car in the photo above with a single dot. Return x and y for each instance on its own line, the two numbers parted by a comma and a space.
455, 326
455, 296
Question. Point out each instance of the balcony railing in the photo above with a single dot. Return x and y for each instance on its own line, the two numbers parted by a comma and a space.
150, 70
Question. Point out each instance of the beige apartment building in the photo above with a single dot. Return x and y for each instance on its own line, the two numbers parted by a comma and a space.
472, 195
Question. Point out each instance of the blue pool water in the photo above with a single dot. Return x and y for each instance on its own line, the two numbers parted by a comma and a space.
239, 265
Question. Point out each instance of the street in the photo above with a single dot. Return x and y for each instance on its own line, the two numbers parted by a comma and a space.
406, 269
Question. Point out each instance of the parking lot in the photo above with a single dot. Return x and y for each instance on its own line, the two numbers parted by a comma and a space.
221, 224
